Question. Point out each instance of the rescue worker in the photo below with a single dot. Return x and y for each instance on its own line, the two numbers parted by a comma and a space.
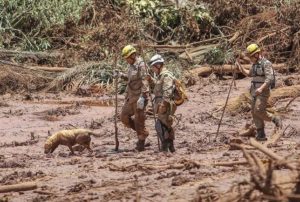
263, 79
164, 106
137, 92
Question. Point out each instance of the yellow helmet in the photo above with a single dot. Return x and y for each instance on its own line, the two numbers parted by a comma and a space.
252, 49
127, 51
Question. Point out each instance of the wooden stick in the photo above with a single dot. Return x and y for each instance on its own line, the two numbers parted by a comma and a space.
235, 36
268, 152
265, 150
231, 163
275, 137
220, 122
290, 102
272, 34
18, 187
116, 107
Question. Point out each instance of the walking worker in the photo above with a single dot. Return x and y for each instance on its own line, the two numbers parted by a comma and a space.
164, 105
137, 92
263, 80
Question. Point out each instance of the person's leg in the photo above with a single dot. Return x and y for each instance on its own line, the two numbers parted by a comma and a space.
139, 123
257, 120
165, 116
126, 114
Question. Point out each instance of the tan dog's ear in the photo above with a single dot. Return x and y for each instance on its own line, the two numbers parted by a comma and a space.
47, 148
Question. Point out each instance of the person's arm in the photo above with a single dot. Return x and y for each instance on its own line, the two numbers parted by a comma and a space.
145, 79
167, 88
244, 71
118, 74
124, 76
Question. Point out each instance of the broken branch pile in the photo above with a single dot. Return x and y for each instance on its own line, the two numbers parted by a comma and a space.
87, 74
277, 180
17, 79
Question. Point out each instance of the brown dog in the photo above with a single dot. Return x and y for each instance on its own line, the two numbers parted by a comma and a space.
69, 138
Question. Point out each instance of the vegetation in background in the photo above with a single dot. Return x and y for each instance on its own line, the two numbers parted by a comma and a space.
24, 23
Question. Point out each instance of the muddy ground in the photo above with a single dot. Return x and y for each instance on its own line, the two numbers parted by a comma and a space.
127, 175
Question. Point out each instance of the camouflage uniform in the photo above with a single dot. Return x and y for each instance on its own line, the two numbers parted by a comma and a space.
137, 85
165, 108
262, 72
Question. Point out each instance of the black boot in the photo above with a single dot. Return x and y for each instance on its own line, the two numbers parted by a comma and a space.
165, 145
140, 145
171, 146
261, 136
277, 121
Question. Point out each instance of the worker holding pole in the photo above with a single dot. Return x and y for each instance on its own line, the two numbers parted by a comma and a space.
137, 93
263, 79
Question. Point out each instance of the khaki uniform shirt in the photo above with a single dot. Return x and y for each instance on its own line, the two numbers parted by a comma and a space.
137, 83
164, 85
261, 72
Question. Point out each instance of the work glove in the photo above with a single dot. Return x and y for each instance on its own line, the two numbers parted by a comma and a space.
141, 103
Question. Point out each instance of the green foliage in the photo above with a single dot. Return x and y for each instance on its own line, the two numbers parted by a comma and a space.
201, 14
219, 56
169, 16
25, 22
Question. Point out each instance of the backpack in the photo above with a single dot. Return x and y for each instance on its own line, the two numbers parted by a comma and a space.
273, 82
179, 94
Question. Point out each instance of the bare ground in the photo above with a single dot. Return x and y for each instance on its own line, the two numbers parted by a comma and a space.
187, 175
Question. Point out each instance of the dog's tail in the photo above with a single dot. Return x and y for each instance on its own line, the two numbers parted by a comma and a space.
94, 134
91, 133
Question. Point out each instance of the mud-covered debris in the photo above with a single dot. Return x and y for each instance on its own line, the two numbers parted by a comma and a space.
18, 112
81, 186
12, 164
206, 193
4, 104
77, 188
41, 198
179, 180
18, 144
21, 176
28, 97
58, 113
97, 123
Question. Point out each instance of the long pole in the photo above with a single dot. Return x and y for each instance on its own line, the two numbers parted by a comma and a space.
220, 122
116, 107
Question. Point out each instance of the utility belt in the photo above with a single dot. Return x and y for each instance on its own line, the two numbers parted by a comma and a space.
160, 97
157, 97
257, 84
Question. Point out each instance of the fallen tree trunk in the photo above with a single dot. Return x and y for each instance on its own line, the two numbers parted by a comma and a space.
18, 187
48, 69
197, 51
204, 71
29, 54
